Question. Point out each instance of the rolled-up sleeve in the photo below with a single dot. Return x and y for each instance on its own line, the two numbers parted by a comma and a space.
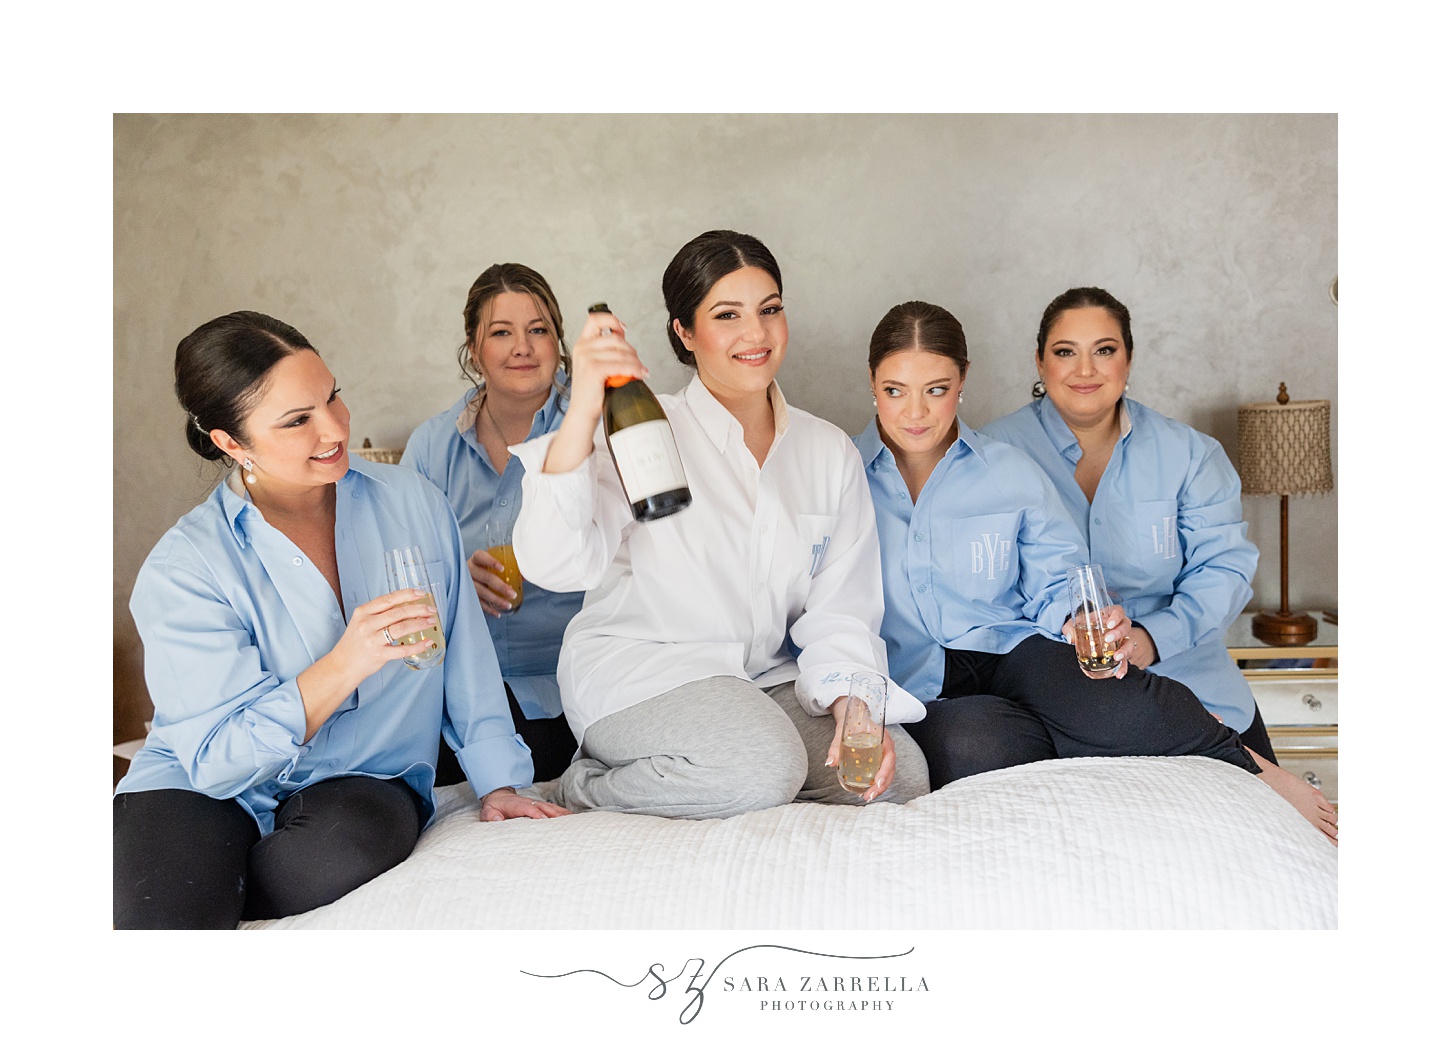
229, 722
477, 724
568, 527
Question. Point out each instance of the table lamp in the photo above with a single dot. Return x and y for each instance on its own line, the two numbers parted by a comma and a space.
1284, 451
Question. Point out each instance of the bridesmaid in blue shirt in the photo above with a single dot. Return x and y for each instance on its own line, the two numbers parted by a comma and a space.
975, 545
292, 757
1158, 505
514, 355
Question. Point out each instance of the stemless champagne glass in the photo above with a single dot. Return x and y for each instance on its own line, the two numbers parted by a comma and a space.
407, 571
1088, 600
499, 535
862, 731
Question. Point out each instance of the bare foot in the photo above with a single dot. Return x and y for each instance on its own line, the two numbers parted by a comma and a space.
1303, 797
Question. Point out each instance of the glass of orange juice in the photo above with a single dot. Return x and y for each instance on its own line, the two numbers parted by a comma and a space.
499, 535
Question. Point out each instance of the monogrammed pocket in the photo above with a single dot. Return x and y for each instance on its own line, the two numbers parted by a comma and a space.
1156, 532
985, 554
813, 540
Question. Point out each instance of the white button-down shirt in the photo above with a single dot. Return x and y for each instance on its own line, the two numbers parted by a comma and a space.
772, 574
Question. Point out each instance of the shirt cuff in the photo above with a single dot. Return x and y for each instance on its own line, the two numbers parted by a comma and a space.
825, 684
278, 722
499, 760
1170, 634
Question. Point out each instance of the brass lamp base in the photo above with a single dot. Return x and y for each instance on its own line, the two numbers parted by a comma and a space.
1283, 628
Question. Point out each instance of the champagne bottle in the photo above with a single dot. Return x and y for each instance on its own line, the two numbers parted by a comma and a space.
642, 447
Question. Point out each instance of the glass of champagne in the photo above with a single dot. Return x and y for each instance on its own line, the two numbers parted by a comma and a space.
862, 732
499, 535
1089, 599
406, 571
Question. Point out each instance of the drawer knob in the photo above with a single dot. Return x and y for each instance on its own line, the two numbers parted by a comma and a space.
1310, 701
1312, 779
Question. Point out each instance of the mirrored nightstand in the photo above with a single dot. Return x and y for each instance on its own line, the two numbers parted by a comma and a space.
1296, 688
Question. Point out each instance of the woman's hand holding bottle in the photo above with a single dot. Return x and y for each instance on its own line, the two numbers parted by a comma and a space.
600, 352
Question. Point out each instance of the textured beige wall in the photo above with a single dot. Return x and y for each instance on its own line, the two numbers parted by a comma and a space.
1219, 232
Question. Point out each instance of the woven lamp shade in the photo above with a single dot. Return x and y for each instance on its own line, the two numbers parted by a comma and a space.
1284, 448
1284, 451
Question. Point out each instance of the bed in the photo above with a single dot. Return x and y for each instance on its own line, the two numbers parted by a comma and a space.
1138, 842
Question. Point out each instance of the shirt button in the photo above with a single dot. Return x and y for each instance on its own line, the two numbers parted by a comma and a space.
922, 587
917, 536
503, 503
1098, 521
901, 496
297, 561
357, 494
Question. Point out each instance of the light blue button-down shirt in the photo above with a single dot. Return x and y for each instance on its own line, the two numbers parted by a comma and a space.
979, 562
1166, 525
230, 613
445, 449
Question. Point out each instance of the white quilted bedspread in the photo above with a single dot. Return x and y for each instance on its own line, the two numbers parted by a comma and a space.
1084, 843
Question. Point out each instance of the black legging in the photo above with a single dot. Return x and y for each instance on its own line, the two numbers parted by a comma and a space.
550, 742
1033, 703
181, 859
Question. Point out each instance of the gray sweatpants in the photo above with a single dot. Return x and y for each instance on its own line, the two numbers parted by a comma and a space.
718, 747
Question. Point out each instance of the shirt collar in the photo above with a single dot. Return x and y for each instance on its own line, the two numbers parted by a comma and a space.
473, 400
1063, 438
239, 510
872, 447
716, 420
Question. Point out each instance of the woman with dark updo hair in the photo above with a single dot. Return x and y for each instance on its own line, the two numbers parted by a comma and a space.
292, 756
1157, 503
706, 674
975, 551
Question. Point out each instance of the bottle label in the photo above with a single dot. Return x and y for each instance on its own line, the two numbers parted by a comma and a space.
647, 459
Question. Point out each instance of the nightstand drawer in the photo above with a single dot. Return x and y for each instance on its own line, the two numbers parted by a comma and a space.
1320, 770
1296, 702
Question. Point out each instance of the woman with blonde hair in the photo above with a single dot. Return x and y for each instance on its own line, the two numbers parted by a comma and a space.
514, 356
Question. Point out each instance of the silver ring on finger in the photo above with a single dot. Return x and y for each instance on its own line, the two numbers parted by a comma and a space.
388, 637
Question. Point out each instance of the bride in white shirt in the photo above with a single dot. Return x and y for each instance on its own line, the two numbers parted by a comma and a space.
706, 673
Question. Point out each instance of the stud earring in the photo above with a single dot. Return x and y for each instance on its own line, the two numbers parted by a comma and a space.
959, 396
247, 466
1038, 389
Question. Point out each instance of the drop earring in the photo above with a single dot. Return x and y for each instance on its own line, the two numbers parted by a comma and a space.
251, 478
